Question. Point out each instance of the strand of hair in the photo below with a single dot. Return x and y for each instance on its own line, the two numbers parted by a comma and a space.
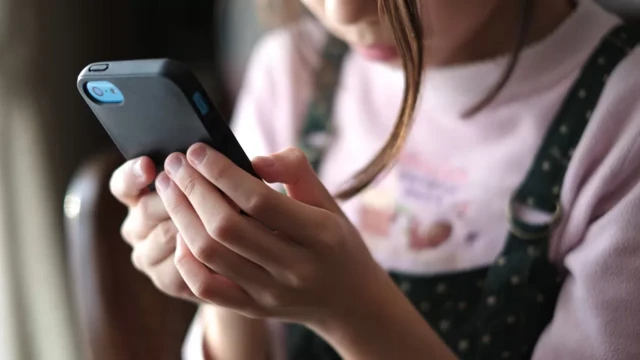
409, 40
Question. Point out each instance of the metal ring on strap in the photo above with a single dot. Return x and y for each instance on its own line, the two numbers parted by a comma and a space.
533, 235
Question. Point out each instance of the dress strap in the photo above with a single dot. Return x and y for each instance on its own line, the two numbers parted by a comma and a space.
317, 131
541, 188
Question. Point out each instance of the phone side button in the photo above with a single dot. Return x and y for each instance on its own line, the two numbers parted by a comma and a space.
98, 67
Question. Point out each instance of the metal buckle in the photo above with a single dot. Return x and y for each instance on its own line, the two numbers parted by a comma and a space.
527, 235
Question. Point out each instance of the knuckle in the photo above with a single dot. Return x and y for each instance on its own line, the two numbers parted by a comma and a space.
137, 260
113, 187
126, 230
330, 239
162, 284
258, 202
182, 290
190, 186
181, 261
329, 244
121, 180
167, 233
115, 182
297, 156
206, 252
254, 312
171, 284
271, 299
202, 289
144, 206
301, 277
218, 170
332, 243
223, 228
329, 219
176, 206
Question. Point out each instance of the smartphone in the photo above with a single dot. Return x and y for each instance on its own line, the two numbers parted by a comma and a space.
154, 108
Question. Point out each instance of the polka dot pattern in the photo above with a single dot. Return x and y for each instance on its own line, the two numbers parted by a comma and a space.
499, 311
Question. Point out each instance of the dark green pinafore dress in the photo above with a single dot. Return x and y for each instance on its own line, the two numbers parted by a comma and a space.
496, 312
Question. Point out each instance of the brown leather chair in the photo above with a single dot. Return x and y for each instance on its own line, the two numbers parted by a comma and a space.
120, 313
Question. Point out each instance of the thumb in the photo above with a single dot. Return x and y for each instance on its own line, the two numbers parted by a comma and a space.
291, 168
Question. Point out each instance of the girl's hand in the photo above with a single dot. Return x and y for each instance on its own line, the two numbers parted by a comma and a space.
148, 228
152, 234
296, 258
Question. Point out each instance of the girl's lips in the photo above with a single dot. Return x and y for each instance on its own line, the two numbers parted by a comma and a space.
378, 52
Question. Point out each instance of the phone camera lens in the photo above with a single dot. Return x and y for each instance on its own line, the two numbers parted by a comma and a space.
103, 92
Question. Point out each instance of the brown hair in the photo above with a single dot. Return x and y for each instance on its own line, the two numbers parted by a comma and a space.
404, 17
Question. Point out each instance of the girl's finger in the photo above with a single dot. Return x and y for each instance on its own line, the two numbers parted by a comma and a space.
167, 278
276, 211
208, 286
206, 250
239, 233
158, 246
131, 179
291, 168
145, 216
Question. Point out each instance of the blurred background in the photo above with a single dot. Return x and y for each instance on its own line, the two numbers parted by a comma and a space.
67, 289
48, 137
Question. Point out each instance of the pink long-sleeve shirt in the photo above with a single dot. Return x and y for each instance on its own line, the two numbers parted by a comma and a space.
463, 171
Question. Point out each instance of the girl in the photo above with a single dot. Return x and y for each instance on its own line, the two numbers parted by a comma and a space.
506, 227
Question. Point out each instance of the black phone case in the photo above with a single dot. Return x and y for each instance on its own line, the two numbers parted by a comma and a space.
160, 114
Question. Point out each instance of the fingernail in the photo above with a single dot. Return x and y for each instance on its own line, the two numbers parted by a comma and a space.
265, 161
198, 153
137, 169
163, 181
174, 163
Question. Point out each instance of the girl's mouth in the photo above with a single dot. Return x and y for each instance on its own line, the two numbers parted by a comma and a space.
378, 52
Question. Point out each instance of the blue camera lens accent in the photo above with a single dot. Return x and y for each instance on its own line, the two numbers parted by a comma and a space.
104, 92
201, 103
